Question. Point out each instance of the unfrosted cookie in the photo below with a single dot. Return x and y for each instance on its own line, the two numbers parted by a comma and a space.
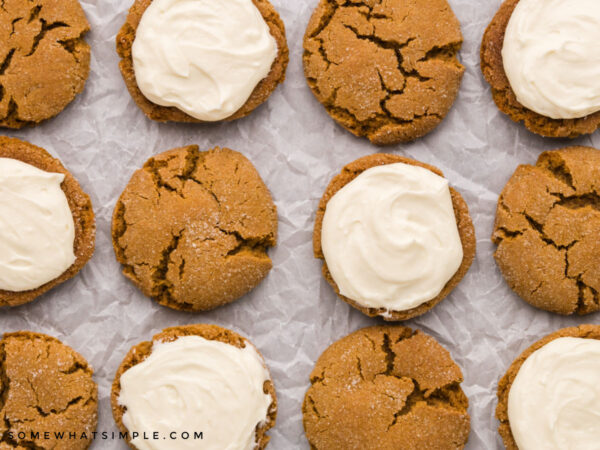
262, 91
386, 388
201, 378
547, 230
47, 388
29, 220
492, 66
44, 60
386, 70
568, 399
386, 227
192, 228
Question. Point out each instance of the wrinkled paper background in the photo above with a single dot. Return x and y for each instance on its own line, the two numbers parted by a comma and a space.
293, 315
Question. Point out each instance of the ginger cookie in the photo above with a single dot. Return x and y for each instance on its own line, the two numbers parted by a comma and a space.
47, 391
553, 385
195, 378
547, 227
386, 388
192, 228
225, 65
547, 71
44, 59
47, 224
394, 238
386, 70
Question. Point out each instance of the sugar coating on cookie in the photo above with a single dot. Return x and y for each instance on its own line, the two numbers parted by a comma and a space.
44, 60
390, 237
551, 58
194, 383
387, 70
202, 57
47, 389
386, 386
554, 400
547, 230
37, 232
192, 228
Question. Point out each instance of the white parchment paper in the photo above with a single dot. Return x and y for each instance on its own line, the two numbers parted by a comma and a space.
293, 315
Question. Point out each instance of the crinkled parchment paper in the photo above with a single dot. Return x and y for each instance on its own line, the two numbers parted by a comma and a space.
293, 315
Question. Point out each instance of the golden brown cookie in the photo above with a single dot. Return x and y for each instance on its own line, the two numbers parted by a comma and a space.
44, 60
81, 208
548, 231
386, 70
506, 100
160, 113
45, 386
192, 228
141, 351
582, 331
463, 220
386, 388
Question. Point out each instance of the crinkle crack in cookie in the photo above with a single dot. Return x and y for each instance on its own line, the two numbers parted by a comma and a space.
192, 228
384, 69
44, 60
548, 231
492, 67
386, 388
45, 386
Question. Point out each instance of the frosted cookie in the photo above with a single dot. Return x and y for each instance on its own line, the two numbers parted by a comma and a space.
541, 60
201, 378
386, 70
547, 231
548, 398
47, 225
386, 388
394, 238
202, 61
44, 59
192, 228
47, 390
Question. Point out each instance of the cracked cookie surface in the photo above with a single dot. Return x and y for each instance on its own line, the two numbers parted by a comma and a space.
192, 228
464, 223
384, 69
45, 386
160, 113
386, 388
505, 383
141, 351
44, 60
548, 231
492, 67
79, 203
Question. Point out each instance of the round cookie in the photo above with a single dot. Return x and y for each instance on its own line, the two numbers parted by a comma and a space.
141, 351
390, 387
44, 60
192, 228
385, 70
504, 385
505, 98
547, 227
463, 220
261, 93
47, 388
79, 203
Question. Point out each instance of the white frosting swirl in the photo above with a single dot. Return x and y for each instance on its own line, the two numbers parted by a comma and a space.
551, 56
36, 226
194, 384
204, 57
554, 401
390, 237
